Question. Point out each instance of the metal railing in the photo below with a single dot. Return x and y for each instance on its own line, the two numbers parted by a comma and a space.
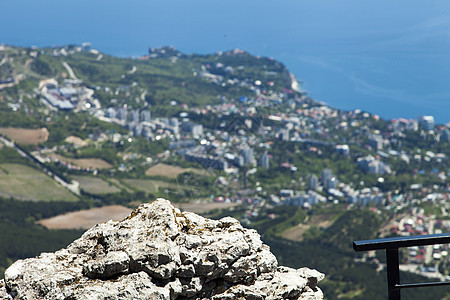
391, 245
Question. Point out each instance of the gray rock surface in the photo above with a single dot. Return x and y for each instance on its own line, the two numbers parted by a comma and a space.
159, 252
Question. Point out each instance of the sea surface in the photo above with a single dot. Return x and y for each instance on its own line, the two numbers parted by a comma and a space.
390, 58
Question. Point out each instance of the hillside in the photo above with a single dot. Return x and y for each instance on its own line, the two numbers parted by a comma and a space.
156, 79
227, 133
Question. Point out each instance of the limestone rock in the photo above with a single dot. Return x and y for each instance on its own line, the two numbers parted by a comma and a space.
159, 252
3, 292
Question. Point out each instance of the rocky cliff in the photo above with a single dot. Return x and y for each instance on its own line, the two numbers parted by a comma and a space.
159, 252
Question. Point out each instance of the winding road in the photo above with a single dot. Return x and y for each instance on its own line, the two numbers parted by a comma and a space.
69, 69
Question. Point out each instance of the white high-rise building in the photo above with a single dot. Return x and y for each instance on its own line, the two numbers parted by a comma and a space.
111, 113
134, 116
146, 116
247, 154
426, 122
264, 160
312, 182
122, 114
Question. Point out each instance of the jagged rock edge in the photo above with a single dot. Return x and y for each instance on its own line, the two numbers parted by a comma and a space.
86, 269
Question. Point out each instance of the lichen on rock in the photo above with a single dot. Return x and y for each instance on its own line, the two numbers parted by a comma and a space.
159, 252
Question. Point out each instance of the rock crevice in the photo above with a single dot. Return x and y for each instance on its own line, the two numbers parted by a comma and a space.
159, 252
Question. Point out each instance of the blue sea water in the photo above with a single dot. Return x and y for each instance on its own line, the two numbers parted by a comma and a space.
391, 58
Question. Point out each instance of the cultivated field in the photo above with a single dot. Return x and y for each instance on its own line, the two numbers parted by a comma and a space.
94, 163
86, 219
170, 171
25, 136
119, 184
95, 185
151, 186
25, 183
321, 221
203, 207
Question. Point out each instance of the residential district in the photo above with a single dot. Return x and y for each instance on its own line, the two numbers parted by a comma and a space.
248, 136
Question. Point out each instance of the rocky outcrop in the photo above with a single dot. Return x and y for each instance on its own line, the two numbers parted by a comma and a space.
159, 252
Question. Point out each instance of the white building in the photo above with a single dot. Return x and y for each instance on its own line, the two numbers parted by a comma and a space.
426, 122
264, 160
146, 116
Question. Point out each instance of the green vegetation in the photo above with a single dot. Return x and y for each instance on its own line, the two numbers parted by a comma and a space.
95, 185
174, 190
42, 66
125, 198
10, 155
21, 237
150, 186
326, 231
329, 251
285, 218
20, 118
165, 78
23, 182
64, 124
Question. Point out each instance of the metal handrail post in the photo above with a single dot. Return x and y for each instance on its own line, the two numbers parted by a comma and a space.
391, 245
393, 274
